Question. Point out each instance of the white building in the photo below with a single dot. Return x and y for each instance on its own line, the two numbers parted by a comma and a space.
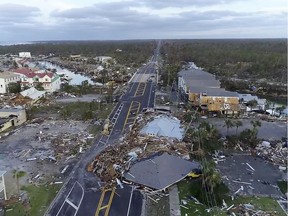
24, 54
33, 93
50, 81
2, 184
5, 79
245, 98
103, 58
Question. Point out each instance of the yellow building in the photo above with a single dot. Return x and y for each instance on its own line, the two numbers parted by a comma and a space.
202, 90
11, 117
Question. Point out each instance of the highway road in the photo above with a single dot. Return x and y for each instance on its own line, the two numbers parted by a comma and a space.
81, 193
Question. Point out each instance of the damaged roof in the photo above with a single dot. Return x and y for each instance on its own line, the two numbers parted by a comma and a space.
164, 126
32, 93
197, 77
160, 171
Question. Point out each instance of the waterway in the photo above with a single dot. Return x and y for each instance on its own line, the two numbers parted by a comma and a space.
76, 79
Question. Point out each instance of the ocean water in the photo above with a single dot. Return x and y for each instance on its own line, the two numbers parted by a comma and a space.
10, 43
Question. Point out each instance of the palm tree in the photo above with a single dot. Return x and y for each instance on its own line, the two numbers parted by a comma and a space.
17, 175
280, 109
252, 104
197, 116
228, 124
255, 124
267, 105
238, 124
210, 130
211, 177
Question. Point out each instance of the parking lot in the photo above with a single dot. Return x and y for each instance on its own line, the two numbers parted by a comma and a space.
250, 175
268, 130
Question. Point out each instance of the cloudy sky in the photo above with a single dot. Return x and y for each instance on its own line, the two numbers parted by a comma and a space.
32, 20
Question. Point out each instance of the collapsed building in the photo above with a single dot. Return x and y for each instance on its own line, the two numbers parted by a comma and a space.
11, 117
160, 171
152, 157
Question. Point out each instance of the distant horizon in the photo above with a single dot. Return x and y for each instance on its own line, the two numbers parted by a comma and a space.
10, 43
54, 20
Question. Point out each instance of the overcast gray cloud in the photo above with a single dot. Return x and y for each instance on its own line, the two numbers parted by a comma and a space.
129, 20
13, 13
182, 3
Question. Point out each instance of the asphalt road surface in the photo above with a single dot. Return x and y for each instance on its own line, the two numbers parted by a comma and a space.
261, 181
81, 193
268, 130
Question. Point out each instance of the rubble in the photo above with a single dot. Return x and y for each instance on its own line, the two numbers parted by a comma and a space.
247, 209
114, 161
277, 154
109, 167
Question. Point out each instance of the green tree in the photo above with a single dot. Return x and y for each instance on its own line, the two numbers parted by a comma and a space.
252, 104
211, 178
238, 124
17, 175
65, 112
15, 65
249, 136
267, 105
228, 124
88, 114
14, 87
280, 109
255, 124
39, 87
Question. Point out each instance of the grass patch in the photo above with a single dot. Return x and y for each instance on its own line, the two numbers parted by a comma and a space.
39, 200
283, 186
16, 209
159, 208
94, 129
74, 110
261, 203
188, 187
19, 174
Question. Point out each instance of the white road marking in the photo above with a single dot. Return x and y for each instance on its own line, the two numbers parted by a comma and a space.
70, 203
130, 201
81, 198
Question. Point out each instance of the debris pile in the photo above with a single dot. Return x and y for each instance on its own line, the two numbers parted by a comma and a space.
248, 210
114, 161
56, 144
277, 155
68, 144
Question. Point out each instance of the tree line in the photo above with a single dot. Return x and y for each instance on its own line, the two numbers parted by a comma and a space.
238, 58
125, 52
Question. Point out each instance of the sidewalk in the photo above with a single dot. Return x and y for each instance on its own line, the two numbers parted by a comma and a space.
174, 202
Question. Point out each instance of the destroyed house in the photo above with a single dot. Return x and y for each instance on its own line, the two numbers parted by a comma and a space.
160, 171
164, 126
11, 117
203, 90
33, 94
7, 78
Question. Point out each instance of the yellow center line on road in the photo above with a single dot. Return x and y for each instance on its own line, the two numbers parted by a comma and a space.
110, 202
140, 89
137, 90
108, 206
129, 115
100, 202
